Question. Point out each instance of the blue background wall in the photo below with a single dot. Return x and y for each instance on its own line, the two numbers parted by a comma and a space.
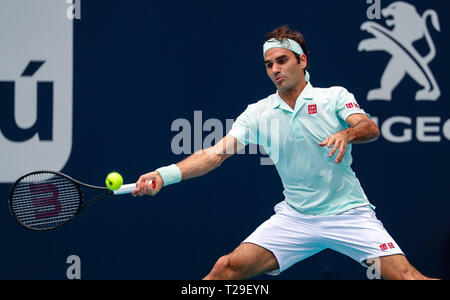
140, 65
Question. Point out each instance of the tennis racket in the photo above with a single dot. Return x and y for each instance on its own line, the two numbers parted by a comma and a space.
45, 200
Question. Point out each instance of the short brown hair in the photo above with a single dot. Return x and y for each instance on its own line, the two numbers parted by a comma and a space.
284, 32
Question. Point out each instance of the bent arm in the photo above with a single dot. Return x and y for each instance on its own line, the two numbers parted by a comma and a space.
361, 130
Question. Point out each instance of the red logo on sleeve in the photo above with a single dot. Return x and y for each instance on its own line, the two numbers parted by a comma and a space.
349, 105
383, 247
391, 245
312, 109
357, 105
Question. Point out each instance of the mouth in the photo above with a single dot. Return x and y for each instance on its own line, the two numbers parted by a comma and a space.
389, 17
279, 79
390, 22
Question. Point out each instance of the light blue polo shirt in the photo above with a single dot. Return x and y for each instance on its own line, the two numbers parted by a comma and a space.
313, 183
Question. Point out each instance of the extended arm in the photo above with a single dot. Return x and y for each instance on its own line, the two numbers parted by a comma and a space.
197, 164
361, 130
205, 161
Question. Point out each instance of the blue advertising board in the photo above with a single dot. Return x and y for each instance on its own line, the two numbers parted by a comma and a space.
89, 87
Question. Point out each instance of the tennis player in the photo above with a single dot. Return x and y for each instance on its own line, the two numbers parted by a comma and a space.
325, 206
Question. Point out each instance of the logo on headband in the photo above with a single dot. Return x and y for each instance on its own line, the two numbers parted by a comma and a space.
408, 26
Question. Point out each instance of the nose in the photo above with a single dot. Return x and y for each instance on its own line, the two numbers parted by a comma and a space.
276, 69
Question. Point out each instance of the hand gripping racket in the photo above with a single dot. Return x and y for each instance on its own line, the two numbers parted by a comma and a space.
45, 200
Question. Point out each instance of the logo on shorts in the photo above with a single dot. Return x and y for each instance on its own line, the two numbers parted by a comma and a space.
312, 109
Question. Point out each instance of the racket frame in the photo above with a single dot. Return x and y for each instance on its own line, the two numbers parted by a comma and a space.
78, 184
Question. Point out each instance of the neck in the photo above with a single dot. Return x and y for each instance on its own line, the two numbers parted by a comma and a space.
291, 96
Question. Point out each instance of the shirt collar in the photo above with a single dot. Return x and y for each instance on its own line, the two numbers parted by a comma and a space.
306, 94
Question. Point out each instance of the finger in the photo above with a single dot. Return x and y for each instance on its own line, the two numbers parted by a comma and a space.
141, 188
335, 148
146, 189
341, 154
331, 142
138, 184
324, 142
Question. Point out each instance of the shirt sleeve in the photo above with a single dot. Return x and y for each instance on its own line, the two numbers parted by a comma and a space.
346, 105
243, 129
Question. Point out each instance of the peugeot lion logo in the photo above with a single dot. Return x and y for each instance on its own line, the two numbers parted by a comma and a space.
408, 26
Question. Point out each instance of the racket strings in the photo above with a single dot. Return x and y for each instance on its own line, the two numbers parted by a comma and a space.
45, 200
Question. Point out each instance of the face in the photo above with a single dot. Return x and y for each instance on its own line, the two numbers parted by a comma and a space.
283, 68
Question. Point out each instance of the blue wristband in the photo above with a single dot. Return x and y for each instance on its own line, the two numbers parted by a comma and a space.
170, 174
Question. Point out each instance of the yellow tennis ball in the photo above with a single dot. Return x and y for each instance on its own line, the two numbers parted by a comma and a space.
114, 181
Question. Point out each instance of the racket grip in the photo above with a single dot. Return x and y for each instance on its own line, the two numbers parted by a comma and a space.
128, 188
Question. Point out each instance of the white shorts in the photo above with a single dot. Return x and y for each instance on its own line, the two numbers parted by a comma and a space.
292, 236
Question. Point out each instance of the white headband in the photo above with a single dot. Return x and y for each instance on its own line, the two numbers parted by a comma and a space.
286, 44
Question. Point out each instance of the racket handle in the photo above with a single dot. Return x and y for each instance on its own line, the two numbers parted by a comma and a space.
128, 188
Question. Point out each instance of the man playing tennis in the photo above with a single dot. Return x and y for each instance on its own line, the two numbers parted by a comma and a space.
325, 206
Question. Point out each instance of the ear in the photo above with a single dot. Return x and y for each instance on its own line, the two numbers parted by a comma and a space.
303, 60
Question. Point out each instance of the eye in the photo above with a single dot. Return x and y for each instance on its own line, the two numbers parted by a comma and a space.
269, 65
282, 61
